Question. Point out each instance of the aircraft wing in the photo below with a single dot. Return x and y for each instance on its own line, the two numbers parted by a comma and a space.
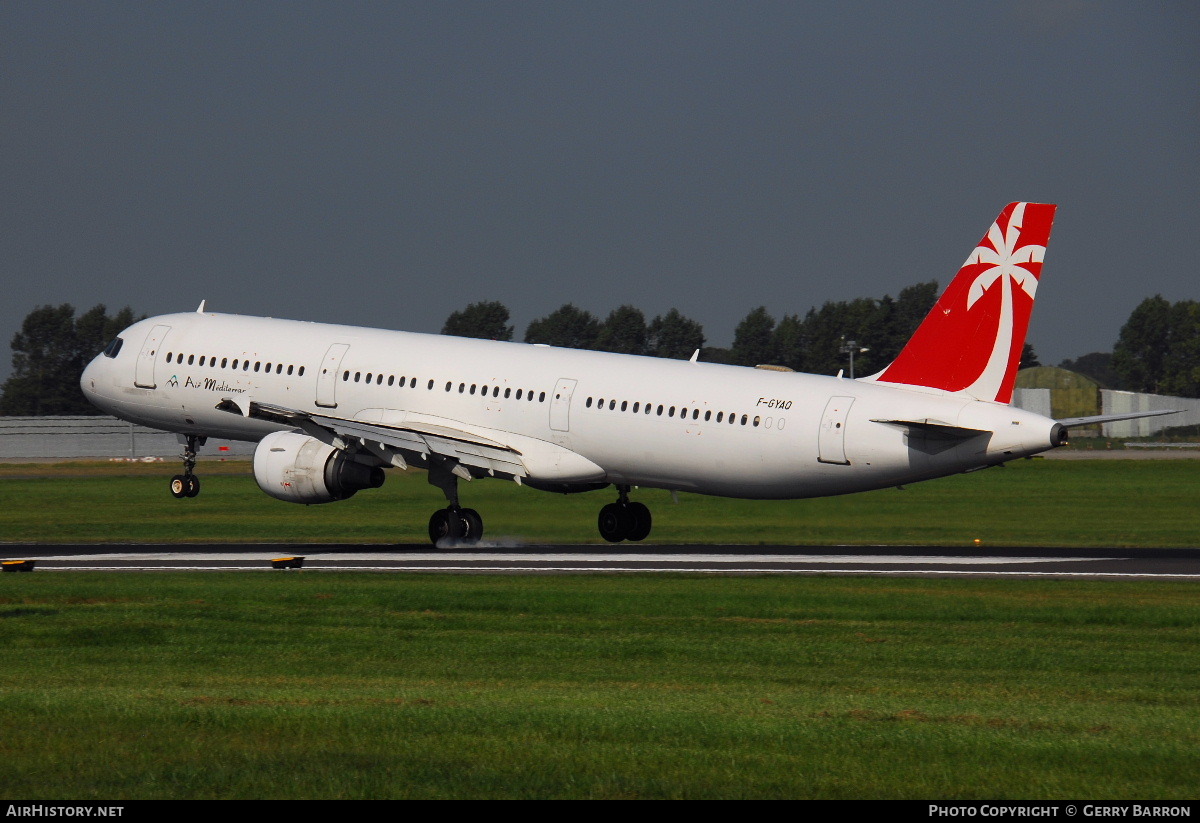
392, 440
1072, 422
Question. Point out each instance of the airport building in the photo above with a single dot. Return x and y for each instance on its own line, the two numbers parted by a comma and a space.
99, 438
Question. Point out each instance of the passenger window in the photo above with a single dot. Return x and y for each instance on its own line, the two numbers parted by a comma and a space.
391, 379
695, 413
224, 362
542, 397
744, 419
507, 392
635, 407
612, 404
191, 359
289, 371
588, 404
518, 394
757, 420
301, 372
707, 415
624, 405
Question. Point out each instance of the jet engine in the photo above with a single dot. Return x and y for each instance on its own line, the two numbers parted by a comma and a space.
301, 469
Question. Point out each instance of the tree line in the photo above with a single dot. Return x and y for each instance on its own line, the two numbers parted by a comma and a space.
1157, 351
49, 354
817, 341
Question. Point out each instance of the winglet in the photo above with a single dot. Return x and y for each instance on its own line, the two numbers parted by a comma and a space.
972, 339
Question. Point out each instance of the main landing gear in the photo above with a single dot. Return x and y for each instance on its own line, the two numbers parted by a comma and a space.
453, 524
188, 484
624, 520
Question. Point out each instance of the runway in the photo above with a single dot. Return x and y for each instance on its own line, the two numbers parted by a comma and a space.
911, 561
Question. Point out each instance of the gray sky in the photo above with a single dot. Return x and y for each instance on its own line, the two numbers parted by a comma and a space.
385, 164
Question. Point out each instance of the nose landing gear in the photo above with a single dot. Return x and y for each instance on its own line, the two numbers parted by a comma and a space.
624, 520
188, 484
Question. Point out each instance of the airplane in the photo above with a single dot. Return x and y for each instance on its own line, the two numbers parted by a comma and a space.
332, 406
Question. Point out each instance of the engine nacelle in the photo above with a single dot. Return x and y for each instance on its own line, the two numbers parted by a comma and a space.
301, 469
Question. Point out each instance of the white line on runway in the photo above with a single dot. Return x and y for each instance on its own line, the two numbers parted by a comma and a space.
616, 569
580, 558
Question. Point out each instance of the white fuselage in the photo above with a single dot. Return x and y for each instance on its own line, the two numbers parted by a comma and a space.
638, 421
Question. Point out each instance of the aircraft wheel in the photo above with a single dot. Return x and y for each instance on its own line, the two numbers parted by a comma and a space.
439, 525
615, 522
448, 524
472, 525
179, 486
642, 521
193, 485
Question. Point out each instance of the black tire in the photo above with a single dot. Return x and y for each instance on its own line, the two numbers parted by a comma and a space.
472, 525
179, 486
614, 522
642, 521
193, 485
439, 525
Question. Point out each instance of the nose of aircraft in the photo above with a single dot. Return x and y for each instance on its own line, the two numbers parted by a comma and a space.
90, 380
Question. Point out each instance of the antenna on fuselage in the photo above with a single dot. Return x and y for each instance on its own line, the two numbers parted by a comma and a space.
200, 308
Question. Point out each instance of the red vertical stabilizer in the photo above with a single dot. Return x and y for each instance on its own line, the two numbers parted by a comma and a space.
971, 341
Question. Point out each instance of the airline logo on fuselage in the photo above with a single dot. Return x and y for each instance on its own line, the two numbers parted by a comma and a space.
210, 384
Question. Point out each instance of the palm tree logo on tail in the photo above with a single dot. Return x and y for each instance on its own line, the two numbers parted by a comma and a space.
971, 341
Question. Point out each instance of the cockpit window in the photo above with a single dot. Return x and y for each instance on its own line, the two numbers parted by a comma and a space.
112, 348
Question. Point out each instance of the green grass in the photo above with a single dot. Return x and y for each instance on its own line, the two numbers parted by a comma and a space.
305, 685
1027, 503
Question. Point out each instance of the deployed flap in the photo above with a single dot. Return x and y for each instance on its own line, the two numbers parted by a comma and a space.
467, 448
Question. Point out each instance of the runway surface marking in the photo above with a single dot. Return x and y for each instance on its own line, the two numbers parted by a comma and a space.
443, 557
759, 570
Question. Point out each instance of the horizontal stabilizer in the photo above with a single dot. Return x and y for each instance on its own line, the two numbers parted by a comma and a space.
1073, 422
935, 427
